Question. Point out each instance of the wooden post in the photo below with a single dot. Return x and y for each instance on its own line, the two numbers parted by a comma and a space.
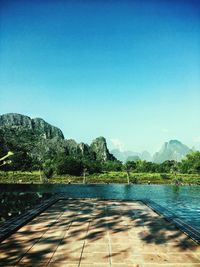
128, 177
84, 175
40, 176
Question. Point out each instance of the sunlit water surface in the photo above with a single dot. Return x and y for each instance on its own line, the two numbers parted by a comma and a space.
184, 201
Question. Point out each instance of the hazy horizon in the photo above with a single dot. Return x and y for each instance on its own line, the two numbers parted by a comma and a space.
125, 70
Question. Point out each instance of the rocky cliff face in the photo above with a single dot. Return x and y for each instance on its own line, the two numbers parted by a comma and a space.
86, 151
42, 141
46, 130
37, 126
15, 120
172, 150
99, 147
3, 147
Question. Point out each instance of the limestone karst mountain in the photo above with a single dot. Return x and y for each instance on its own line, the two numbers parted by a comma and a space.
99, 147
38, 126
172, 150
131, 155
40, 140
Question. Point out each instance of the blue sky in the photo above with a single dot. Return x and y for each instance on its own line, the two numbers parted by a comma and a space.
127, 70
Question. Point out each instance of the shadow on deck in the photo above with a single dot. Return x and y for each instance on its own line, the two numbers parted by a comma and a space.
99, 233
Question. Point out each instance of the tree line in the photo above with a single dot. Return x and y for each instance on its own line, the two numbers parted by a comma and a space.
62, 164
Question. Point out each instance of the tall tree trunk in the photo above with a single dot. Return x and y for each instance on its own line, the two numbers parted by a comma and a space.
128, 177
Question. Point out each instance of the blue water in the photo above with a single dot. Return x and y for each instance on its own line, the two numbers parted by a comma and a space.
184, 201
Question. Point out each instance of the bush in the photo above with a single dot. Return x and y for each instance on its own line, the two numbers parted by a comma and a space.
191, 164
48, 172
48, 168
112, 166
178, 181
92, 166
134, 180
164, 176
20, 161
69, 165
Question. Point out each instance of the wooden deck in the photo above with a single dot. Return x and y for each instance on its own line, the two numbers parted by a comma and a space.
99, 233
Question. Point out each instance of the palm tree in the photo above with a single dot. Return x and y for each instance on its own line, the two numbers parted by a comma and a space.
4, 160
129, 166
128, 170
84, 175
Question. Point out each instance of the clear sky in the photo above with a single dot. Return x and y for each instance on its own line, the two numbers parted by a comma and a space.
126, 70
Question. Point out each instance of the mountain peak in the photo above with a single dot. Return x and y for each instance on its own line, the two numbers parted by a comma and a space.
131, 155
40, 140
37, 125
174, 141
15, 119
99, 147
172, 150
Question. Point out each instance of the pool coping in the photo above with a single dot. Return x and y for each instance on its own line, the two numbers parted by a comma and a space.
12, 225
15, 223
168, 215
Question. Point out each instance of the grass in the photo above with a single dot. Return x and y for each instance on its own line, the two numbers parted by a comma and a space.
106, 177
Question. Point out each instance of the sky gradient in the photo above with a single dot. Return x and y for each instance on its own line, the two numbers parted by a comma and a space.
126, 70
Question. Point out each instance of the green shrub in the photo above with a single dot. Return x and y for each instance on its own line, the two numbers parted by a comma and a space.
48, 172
164, 176
69, 165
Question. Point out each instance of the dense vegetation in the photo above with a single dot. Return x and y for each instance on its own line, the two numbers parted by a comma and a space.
63, 164
41, 153
73, 169
104, 177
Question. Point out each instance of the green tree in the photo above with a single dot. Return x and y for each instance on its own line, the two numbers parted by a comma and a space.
5, 159
92, 166
48, 168
145, 166
191, 164
21, 161
128, 167
112, 165
167, 166
69, 165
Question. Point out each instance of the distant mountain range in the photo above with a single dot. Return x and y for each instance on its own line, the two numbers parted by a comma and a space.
130, 155
172, 150
40, 140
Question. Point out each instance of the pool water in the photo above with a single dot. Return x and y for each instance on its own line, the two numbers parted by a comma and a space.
184, 201
185, 209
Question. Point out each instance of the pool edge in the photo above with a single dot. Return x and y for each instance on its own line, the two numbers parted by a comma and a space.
171, 217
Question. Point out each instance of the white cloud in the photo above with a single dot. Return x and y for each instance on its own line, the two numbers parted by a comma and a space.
164, 130
197, 139
117, 143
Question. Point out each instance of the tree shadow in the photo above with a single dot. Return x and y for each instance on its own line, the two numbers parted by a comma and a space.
70, 227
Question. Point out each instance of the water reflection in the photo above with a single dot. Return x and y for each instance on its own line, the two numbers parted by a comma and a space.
182, 200
14, 204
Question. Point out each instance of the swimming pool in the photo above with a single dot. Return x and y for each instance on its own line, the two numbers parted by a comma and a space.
183, 201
